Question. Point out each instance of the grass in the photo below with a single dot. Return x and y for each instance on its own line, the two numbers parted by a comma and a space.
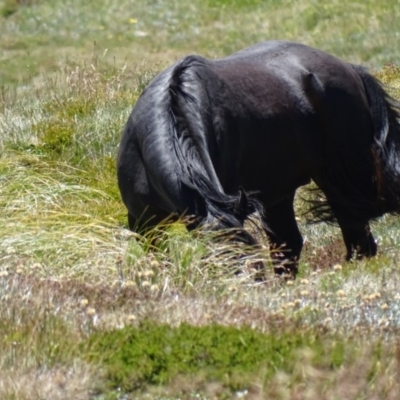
89, 310
156, 354
39, 35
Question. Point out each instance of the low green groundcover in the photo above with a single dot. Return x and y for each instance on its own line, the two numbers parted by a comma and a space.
155, 354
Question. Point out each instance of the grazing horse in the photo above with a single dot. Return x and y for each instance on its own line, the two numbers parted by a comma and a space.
220, 139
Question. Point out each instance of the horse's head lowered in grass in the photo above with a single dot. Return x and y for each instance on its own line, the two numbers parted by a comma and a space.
265, 120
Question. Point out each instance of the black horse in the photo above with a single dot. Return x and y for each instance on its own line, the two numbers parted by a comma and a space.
266, 120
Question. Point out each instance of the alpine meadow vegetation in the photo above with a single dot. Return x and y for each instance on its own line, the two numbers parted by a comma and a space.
90, 310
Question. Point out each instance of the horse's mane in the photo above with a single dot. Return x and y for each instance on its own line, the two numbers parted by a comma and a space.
192, 126
385, 155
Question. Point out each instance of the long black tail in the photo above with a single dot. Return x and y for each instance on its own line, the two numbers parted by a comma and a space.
192, 126
385, 112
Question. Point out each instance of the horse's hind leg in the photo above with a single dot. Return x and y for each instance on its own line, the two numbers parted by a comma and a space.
285, 239
359, 241
357, 237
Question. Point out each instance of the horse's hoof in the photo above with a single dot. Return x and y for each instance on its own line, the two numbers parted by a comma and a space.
287, 272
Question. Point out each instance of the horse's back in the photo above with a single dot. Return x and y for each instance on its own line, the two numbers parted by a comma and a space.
292, 105
288, 69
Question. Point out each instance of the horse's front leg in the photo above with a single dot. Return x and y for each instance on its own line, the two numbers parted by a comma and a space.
285, 239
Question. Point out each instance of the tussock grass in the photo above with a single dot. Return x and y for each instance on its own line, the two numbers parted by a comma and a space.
52, 216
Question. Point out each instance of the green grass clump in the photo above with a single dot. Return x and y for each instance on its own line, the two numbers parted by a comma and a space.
153, 354
55, 136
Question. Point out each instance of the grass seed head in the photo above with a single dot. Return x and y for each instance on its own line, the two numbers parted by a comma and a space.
337, 267
84, 302
154, 288
129, 283
90, 311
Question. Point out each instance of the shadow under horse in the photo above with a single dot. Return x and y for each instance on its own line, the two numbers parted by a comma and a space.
265, 120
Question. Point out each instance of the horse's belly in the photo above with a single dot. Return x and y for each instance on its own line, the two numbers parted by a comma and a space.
277, 171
